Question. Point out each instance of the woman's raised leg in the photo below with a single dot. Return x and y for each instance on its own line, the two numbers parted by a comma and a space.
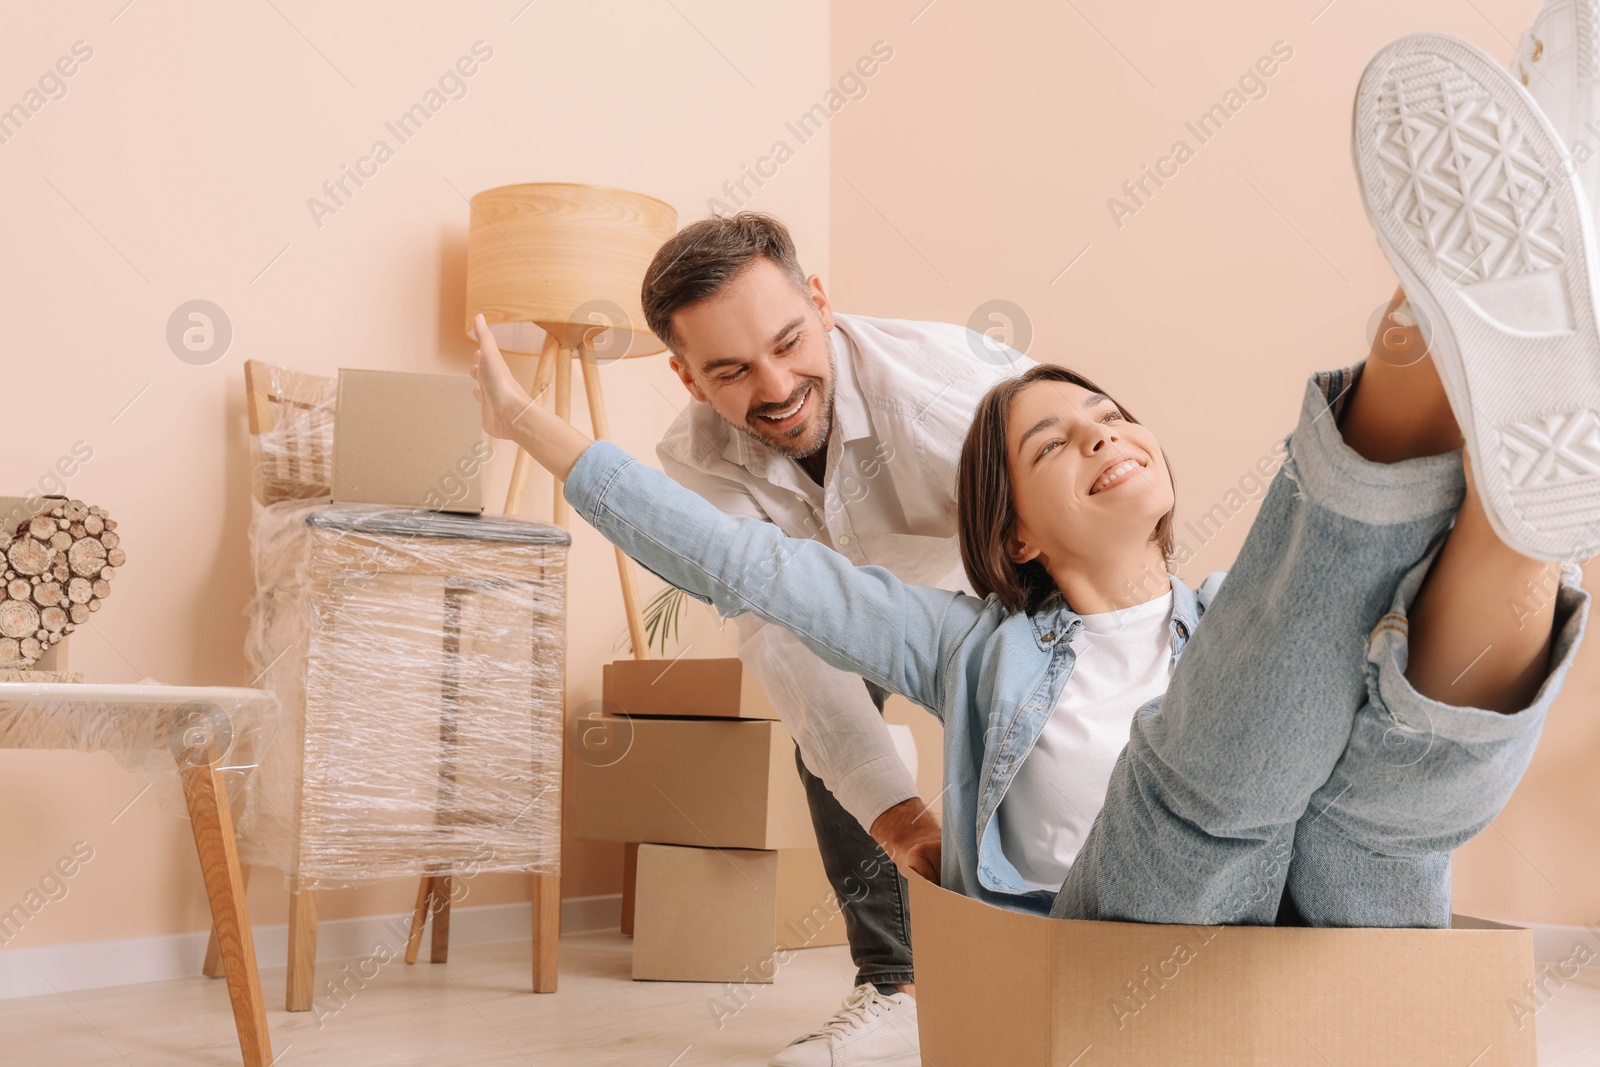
1461, 672
1477, 637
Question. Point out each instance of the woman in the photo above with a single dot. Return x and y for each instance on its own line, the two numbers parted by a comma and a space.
1359, 702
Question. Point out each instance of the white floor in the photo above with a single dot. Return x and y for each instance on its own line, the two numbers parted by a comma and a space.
473, 1012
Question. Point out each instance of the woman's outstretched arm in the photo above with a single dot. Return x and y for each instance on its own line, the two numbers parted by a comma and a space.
864, 620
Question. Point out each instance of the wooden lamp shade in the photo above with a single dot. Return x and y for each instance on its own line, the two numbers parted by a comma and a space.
554, 258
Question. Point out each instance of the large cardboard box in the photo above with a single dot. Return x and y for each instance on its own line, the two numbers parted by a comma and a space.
699, 688
411, 440
690, 782
729, 915
996, 986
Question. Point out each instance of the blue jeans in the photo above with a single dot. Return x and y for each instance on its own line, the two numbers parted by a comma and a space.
1290, 762
871, 891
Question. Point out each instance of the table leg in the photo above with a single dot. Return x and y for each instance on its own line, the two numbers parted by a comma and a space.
206, 795
212, 968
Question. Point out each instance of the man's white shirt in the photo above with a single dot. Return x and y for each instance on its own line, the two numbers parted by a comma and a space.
904, 397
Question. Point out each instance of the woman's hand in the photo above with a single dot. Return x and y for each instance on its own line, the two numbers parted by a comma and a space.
510, 414
504, 402
910, 834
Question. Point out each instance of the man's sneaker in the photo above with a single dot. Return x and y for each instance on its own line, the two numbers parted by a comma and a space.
1558, 61
1463, 179
871, 1030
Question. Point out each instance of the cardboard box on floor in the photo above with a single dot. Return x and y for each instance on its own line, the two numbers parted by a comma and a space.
727, 784
728, 915
410, 440
699, 688
997, 986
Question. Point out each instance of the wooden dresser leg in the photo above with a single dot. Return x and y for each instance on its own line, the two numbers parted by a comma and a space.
302, 949
212, 968
546, 931
439, 950
209, 817
630, 878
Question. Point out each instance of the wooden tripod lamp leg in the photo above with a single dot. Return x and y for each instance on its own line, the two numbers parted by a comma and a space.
558, 507
625, 572
524, 465
207, 798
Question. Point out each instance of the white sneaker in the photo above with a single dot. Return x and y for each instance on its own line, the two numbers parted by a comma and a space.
1464, 182
1558, 62
871, 1030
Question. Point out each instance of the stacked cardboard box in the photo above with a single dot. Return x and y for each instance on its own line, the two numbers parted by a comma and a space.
699, 775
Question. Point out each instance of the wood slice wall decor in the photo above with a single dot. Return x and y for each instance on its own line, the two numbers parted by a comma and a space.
58, 567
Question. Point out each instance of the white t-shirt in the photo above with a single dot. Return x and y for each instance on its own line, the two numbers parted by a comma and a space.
1124, 660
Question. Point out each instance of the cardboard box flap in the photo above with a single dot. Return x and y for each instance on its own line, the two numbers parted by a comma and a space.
1000, 1010
1472, 922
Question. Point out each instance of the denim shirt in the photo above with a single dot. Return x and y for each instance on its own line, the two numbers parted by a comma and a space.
992, 677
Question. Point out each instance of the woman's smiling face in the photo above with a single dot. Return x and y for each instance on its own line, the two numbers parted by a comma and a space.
1083, 477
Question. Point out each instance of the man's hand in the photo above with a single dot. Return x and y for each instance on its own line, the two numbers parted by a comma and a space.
910, 834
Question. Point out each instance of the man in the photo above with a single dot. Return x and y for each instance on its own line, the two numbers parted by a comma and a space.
845, 430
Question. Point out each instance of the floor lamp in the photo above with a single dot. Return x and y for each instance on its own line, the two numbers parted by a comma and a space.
555, 270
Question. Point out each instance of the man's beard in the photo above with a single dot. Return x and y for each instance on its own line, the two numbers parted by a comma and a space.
824, 422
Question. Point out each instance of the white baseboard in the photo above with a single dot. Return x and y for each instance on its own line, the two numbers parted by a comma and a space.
27, 972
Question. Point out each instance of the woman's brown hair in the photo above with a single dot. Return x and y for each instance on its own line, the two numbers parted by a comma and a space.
986, 505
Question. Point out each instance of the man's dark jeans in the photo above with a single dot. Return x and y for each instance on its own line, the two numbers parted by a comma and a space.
869, 888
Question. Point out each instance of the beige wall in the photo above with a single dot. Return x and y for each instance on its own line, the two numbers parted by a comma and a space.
177, 166
980, 168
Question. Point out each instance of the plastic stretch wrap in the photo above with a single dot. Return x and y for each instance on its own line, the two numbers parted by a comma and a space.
418, 659
150, 729
291, 433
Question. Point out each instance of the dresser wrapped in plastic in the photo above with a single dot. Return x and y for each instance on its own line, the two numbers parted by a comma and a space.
418, 659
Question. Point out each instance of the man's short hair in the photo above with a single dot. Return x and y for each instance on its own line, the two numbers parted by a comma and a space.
704, 256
